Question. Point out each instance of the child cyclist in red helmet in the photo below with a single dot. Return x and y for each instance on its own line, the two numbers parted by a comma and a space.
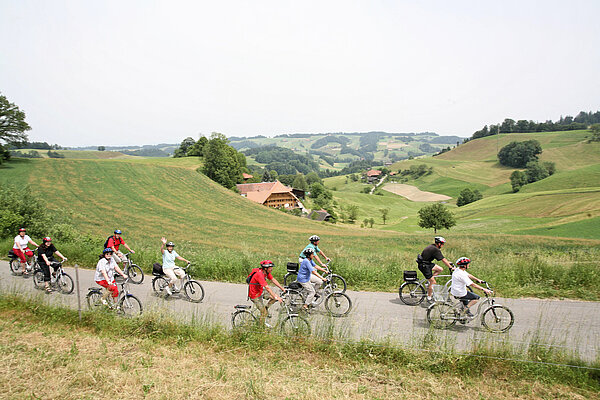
460, 280
257, 282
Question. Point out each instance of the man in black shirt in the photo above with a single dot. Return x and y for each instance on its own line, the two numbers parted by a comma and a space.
46, 258
426, 265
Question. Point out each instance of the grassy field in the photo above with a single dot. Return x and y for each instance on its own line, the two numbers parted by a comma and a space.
51, 354
225, 235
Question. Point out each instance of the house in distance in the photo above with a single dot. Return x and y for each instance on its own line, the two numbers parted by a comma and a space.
271, 194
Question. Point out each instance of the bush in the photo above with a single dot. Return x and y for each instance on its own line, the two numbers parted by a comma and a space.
517, 180
21, 209
518, 154
467, 196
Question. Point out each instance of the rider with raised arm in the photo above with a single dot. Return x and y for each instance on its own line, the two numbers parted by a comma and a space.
168, 263
426, 265
114, 242
46, 258
460, 280
105, 274
314, 245
21, 249
257, 282
308, 277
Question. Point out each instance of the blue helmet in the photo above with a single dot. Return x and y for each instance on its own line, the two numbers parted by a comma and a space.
107, 250
118, 231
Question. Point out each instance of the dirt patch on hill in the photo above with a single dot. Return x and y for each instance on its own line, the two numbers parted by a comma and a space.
413, 193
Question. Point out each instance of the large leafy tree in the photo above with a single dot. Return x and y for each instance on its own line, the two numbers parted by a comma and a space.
468, 195
221, 163
12, 126
436, 216
518, 154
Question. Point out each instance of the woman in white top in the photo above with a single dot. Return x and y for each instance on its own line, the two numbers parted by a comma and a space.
21, 249
169, 267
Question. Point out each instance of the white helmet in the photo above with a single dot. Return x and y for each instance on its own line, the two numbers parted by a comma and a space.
314, 238
439, 239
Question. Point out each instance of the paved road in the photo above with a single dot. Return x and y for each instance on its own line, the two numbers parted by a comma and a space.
571, 325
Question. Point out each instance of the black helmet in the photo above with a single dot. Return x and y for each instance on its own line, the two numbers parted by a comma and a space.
170, 244
308, 252
314, 238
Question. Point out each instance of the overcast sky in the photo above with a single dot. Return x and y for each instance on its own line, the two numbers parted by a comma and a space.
144, 72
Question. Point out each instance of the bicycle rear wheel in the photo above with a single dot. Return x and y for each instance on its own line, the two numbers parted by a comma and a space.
289, 278
130, 306
194, 291
498, 318
441, 315
412, 293
294, 326
338, 304
243, 319
38, 280
135, 273
15, 266
65, 283
159, 284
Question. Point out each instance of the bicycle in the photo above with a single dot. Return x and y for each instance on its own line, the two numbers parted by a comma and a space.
338, 304
413, 292
15, 263
337, 282
126, 304
59, 279
494, 317
192, 289
290, 324
135, 273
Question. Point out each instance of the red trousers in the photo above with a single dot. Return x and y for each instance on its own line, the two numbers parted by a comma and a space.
113, 288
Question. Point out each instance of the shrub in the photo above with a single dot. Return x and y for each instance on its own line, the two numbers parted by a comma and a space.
518, 154
467, 196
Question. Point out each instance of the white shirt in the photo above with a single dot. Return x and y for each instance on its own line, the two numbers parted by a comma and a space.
460, 281
107, 266
23, 241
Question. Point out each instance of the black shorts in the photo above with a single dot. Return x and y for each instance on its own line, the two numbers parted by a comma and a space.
426, 269
469, 296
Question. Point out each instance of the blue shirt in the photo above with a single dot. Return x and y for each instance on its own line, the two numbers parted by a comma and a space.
304, 272
310, 246
169, 259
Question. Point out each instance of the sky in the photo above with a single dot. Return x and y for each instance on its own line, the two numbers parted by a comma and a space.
146, 72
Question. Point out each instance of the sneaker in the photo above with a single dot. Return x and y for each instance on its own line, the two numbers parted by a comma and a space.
168, 290
104, 302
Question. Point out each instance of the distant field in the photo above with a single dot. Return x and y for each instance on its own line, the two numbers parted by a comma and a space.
80, 154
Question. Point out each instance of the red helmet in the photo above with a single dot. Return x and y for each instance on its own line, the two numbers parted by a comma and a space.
46, 239
22, 230
266, 264
463, 261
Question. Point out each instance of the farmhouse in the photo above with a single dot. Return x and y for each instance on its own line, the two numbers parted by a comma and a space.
246, 176
373, 174
271, 194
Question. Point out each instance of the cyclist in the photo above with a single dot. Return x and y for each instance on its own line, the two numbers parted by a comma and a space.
257, 282
168, 263
426, 265
105, 274
21, 250
314, 245
114, 242
46, 259
460, 280
308, 277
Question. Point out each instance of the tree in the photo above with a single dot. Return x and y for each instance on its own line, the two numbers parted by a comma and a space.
300, 183
371, 222
101, 148
384, 214
467, 196
197, 148
535, 172
436, 216
266, 176
12, 122
518, 154
517, 180
352, 213
312, 177
595, 130
184, 147
221, 162
55, 154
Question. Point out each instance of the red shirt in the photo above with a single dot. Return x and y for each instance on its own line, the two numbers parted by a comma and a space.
257, 283
115, 242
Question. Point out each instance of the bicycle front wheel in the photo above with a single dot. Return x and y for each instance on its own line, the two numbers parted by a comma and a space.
411, 293
135, 273
194, 291
294, 326
38, 280
441, 315
338, 304
338, 284
65, 283
130, 306
289, 278
498, 319
243, 319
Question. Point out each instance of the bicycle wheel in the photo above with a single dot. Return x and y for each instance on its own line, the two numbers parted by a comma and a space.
498, 318
130, 306
289, 278
294, 300
135, 273
294, 326
194, 291
338, 304
412, 293
441, 315
338, 284
65, 283
159, 284
38, 280
94, 300
243, 319
15, 266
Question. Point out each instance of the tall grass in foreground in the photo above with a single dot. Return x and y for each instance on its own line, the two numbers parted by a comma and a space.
432, 353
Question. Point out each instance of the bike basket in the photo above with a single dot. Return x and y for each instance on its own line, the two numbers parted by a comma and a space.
157, 269
410, 275
440, 293
292, 267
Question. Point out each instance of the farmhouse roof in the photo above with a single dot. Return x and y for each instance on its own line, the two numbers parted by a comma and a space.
260, 192
373, 172
247, 176
319, 215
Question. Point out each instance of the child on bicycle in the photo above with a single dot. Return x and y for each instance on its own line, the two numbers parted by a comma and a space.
105, 274
314, 245
46, 253
460, 280
308, 277
171, 270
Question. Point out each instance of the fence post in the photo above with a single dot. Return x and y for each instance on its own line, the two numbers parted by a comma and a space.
78, 294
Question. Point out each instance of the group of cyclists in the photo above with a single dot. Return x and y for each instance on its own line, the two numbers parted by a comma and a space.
258, 289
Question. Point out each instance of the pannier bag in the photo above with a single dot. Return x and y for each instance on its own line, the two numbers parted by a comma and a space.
292, 267
157, 269
410, 275
11, 254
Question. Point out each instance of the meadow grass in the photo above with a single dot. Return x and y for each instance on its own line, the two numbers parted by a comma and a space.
51, 354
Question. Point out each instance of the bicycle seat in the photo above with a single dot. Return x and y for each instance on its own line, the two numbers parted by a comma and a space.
157, 274
295, 286
243, 307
